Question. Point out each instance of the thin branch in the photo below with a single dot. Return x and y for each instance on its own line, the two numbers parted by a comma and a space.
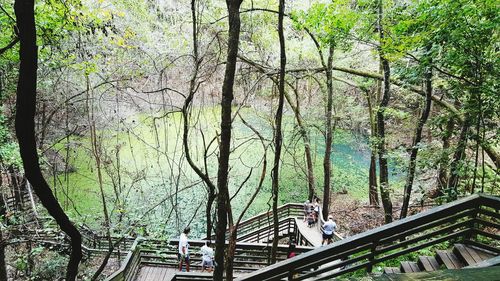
10, 45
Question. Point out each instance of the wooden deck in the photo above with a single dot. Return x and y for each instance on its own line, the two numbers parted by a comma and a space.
311, 234
155, 273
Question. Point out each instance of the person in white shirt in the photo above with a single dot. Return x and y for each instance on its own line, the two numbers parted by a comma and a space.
328, 230
184, 249
207, 260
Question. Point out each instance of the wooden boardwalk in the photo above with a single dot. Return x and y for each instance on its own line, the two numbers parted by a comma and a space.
156, 273
311, 234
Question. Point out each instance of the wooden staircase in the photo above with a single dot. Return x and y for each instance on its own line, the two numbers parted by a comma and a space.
474, 222
461, 256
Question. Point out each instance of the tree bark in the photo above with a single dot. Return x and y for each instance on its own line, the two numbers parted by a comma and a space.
457, 159
327, 162
383, 169
444, 161
3, 267
372, 172
372, 181
278, 137
416, 141
223, 204
25, 129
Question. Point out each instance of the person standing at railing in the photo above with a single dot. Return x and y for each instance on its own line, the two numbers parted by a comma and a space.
183, 254
328, 230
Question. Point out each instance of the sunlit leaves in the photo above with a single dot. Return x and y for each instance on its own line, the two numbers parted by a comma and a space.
331, 23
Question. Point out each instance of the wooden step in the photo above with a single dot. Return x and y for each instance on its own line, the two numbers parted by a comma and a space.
391, 270
428, 263
487, 263
483, 254
448, 259
466, 254
409, 266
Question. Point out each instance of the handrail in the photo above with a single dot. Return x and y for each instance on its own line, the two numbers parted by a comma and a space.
256, 222
128, 268
459, 219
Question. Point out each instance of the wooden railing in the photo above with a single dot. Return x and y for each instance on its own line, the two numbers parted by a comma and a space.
130, 265
472, 220
248, 256
257, 227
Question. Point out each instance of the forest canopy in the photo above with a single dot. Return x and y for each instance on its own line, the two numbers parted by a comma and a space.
150, 116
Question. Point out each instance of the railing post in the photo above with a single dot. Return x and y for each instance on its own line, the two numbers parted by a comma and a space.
258, 232
371, 259
268, 256
471, 234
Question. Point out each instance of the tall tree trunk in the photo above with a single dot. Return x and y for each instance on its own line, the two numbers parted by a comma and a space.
458, 156
25, 130
416, 141
223, 204
444, 161
372, 180
327, 162
383, 169
3, 267
193, 86
278, 137
372, 172
208, 213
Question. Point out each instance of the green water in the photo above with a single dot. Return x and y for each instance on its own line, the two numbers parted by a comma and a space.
153, 169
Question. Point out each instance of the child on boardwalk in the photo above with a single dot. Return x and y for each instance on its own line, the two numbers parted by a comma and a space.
183, 253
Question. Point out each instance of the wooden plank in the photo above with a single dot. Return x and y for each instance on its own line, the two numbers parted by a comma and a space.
405, 267
428, 263
449, 260
475, 274
414, 266
409, 266
483, 246
141, 275
487, 263
483, 254
468, 255
163, 274
391, 270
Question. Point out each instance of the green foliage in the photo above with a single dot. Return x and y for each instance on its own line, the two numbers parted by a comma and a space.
9, 149
51, 266
331, 23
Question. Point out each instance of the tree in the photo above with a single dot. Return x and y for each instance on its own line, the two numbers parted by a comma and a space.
416, 142
329, 27
223, 202
25, 129
382, 159
278, 134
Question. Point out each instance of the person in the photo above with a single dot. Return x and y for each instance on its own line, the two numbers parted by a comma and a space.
183, 254
207, 259
291, 251
328, 230
310, 216
306, 210
316, 210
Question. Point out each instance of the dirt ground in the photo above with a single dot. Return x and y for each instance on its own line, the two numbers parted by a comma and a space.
353, 216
